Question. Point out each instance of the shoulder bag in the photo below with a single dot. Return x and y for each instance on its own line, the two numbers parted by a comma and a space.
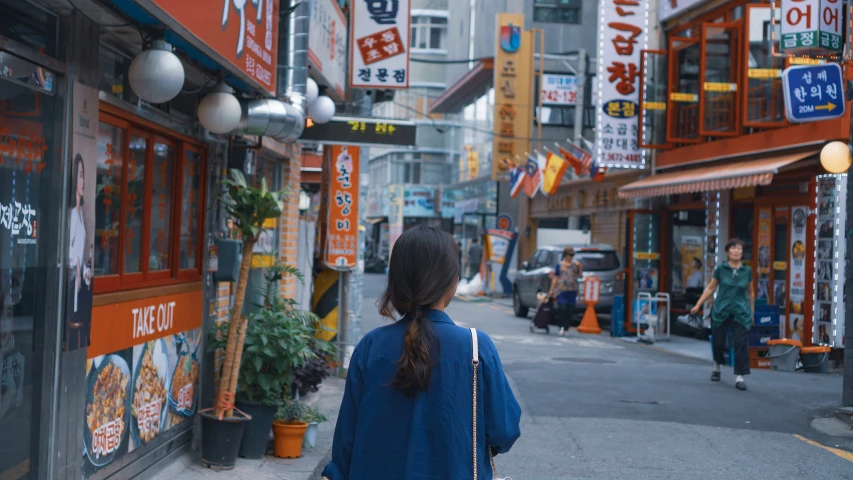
475, 361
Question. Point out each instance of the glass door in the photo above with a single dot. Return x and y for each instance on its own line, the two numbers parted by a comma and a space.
646, 256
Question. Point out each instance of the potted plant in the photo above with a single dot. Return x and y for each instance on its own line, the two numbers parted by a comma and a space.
248, 207
313, 417
289, 429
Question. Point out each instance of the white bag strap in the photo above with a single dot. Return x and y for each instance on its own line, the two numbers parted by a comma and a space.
475, 358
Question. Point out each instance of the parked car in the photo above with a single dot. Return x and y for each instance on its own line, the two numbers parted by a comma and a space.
600, 260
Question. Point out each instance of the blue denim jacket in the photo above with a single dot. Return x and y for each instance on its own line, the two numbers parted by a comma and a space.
382, 434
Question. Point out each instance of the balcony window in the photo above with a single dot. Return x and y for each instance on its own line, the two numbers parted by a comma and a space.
719, 72
684, 84
653, 99
764, 104
557, 11
429, 32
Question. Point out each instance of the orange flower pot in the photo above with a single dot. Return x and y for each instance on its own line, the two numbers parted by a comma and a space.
288, 438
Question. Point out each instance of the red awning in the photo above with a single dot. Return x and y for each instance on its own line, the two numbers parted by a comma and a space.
748, 173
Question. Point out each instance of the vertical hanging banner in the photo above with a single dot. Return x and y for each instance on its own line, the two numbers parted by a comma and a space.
396, 197
342, 227
830, 246
81, 217
513, 81
797, 273
622, 35
379, 43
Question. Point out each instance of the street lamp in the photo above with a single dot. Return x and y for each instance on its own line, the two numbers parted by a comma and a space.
219, 111
156, 75
836, 157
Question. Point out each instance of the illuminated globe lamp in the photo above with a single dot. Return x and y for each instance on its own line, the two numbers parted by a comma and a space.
219, 111
321, 110
836, 157
156, 75
311, 91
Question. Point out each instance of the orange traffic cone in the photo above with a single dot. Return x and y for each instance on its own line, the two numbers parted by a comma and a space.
589, 324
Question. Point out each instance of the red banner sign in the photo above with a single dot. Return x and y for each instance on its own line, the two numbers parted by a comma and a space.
240, 32
342, 227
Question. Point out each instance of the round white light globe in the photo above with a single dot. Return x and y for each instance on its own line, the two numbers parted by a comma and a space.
311, 92
322, 110
219, 112
156, 75
835, 157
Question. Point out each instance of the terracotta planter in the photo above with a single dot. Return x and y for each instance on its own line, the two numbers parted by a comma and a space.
288, 438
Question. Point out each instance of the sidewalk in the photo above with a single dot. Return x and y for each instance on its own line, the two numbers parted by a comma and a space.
308, 467
688, 347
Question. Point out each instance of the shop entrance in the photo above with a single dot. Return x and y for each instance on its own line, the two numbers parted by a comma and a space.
686, 266
646, 256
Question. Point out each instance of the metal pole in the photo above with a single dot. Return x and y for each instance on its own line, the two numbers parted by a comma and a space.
580, 101
847, 384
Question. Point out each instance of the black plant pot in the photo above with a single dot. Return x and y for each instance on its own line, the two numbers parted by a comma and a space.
220, 439
256, 435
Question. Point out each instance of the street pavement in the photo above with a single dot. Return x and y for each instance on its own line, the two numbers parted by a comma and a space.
595, 407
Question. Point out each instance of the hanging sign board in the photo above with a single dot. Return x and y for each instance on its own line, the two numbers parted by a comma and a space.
341, 251
812, 26
813, 92
379, 40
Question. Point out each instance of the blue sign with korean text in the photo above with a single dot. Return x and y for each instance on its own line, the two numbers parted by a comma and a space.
813, 92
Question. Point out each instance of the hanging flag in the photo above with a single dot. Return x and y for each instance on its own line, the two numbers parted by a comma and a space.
533, 177
542, 162
577, 156
516, 181
599, 174
554, 171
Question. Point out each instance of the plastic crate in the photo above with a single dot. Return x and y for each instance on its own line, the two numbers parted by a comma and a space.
758, 337
758, 358
767, 316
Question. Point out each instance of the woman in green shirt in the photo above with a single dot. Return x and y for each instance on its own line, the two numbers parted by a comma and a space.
733, 308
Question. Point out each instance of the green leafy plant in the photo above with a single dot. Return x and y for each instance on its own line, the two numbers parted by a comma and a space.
312, 415
292, 411
249, 207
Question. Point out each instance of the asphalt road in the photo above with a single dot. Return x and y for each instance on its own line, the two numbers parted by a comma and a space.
599, 408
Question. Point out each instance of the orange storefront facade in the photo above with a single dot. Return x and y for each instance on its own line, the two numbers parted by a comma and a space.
728, 164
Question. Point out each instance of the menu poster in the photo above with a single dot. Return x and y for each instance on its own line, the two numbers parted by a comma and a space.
797, 272
829, 271
765, 225
81, 217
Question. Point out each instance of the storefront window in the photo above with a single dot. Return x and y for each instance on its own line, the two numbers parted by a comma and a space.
743, 221
190, 209
159, 172
161, 207
28, 225
134, 201
111, 149
653, 97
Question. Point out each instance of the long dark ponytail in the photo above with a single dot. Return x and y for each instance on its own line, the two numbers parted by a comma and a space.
424, 266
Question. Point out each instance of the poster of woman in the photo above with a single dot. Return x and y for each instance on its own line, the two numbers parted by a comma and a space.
81, 218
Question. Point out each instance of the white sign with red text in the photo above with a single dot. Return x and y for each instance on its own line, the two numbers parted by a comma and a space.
327, 44
591, 290
379, 43
559, 89
622, 36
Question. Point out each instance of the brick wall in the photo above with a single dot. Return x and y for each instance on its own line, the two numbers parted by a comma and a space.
289, 222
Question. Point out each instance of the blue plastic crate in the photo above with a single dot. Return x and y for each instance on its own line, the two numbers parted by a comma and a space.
767, 316
617, 317
759, 336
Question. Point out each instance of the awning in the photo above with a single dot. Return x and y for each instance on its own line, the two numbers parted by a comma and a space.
747, 173
465, 90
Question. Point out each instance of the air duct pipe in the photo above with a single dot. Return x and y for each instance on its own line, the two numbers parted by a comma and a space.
284, 118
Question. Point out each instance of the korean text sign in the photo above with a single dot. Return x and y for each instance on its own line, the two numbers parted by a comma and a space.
812, 26
513, 80
379, 43
622, 35
559, 89
243, 33
813, 92
327, 43
342, 237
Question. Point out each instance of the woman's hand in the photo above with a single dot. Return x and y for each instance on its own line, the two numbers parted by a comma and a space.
695, 309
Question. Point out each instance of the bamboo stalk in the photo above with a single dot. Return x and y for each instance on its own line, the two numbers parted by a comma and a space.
233, 351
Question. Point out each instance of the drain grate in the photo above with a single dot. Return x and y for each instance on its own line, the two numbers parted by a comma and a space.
583, 360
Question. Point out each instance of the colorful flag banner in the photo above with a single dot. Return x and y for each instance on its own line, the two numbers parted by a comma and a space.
577, 156
555, 169
517, 178
533, 177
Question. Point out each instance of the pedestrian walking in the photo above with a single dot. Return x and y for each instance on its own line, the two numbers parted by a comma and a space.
564, 288
475, 257
407, 407
733, 309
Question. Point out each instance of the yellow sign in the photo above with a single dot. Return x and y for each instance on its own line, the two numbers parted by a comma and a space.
805, 61
684, 97
654, 105
647, 255
473, 164
764, 73
828, 107
513, 86
780, 265
719, 87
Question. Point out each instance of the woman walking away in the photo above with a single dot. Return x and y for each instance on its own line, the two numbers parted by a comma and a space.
733, 308
564, 287
407, 408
